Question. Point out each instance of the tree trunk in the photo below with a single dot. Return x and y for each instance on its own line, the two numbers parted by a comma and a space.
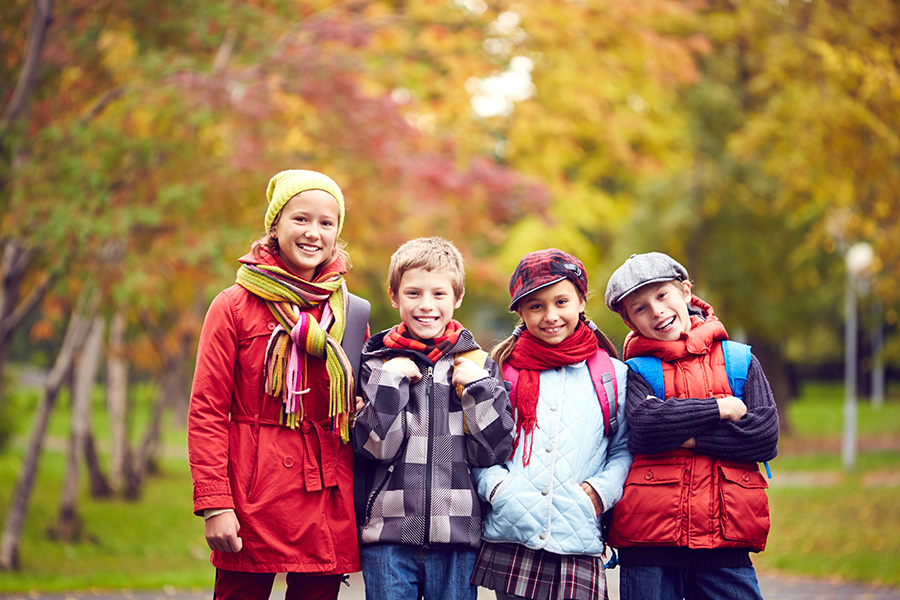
68, 522
77, 331
116, 391
15, 259
180, 403
13, 309
172, 386
99, 485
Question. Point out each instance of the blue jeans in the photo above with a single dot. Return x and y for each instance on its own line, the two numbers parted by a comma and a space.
397, 572
688, 583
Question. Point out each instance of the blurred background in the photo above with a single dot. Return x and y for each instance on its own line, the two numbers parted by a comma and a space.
756, 141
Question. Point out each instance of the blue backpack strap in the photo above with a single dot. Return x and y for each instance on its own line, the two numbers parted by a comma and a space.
603, 376
737, 365
650, 368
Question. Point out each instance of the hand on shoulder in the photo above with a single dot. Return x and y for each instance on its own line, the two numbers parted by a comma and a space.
465, 371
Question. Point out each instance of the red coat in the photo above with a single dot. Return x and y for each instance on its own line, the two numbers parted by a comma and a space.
684, 498
292, 491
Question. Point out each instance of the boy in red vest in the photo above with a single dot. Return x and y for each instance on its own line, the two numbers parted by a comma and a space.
695, 504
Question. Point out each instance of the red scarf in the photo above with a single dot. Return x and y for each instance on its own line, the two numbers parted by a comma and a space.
531, 356
399, 337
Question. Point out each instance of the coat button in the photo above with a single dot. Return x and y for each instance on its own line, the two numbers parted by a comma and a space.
648, 475
553, 407
271, 326
544, 492
746, 477
549, 448
288, 461
543, 536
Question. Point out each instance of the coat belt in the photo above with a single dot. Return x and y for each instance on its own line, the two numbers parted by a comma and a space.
320, 449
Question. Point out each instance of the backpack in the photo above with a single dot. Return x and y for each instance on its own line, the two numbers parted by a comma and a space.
737, 365
355, 331
603, 376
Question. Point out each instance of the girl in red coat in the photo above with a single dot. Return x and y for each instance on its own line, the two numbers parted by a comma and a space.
272, 392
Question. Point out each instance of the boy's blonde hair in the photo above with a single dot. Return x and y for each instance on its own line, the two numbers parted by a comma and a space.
430, 254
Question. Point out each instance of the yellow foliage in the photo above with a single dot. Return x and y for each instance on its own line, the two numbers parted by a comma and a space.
213, 139
141, 120
296, 140
119, 49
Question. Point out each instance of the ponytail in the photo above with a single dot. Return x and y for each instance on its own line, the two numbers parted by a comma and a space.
502, 350
601, 337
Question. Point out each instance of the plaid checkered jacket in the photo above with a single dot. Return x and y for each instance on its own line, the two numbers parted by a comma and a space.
422, 441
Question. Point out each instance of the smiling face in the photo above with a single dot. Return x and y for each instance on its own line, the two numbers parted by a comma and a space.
426, 302
551, 313
306, 232
659, 310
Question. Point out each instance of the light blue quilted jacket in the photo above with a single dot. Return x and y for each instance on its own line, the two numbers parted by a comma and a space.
542, 505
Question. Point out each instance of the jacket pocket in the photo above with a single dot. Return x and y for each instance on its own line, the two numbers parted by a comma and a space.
252, 344
744, 503
277, 473
650, 510
494, 494
370, 502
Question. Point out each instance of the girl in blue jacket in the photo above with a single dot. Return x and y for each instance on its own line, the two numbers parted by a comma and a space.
542, 536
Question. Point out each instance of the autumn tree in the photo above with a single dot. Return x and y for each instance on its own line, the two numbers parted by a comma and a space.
141, 175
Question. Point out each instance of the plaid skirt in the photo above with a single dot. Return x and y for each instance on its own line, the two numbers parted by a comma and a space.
540, 575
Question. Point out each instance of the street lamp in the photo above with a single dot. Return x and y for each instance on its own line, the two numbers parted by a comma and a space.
858, 260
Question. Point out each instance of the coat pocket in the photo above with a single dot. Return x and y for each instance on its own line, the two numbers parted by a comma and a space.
744, 504
650, 510
377, 489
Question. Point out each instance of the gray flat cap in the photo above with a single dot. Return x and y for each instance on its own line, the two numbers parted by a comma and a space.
640, 270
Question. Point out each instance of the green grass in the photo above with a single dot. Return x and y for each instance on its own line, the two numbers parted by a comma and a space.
153, 543
819, 412
836, 524
846, 525
150, 544
848, 531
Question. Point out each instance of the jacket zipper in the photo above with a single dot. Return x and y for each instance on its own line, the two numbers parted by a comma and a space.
371, 503
429, 389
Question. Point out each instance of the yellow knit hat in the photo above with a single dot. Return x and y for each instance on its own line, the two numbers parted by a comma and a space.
287, 184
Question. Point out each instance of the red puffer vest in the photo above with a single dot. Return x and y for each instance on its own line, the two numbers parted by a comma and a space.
682, 498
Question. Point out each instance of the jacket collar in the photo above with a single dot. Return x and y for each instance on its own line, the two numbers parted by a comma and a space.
706, 330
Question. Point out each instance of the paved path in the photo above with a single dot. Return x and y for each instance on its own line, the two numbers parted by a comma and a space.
773, 588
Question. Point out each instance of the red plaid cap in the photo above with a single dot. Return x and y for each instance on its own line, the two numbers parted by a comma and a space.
541, 268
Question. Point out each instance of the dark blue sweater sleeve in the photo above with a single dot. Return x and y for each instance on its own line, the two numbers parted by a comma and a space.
754, 437
659, 425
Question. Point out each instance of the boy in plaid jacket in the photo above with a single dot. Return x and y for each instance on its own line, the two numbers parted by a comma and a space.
422, 521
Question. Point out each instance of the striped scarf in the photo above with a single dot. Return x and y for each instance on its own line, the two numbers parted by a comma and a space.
399, 337
298, 335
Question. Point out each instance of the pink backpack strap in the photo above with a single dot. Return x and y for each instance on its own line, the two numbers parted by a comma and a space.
603, 375
511, 374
